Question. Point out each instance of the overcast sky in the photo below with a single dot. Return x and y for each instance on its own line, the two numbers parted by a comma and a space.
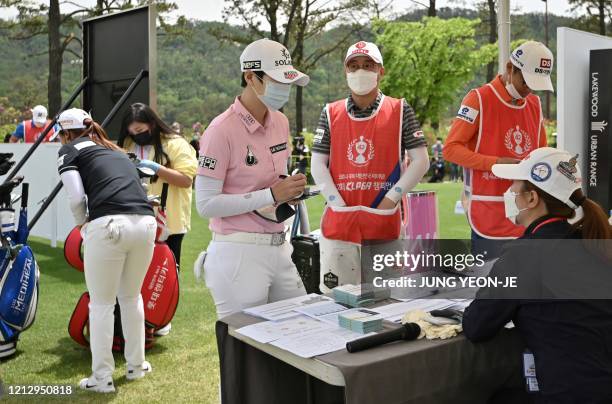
211, 10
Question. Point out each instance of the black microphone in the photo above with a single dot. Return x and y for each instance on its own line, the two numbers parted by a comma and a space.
408, 331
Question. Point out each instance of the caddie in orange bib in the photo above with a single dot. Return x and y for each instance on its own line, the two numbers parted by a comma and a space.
358, 161
500, 122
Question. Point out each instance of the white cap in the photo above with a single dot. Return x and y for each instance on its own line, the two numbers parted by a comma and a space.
273, 59
363, 48
554, 171
535, 61
73, 119
39, 114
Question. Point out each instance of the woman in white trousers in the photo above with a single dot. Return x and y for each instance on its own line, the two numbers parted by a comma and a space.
118, 229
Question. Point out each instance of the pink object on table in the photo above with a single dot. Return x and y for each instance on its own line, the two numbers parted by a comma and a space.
421, 215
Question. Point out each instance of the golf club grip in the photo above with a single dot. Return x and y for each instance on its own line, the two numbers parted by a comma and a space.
408, 331
25, 187
164, 195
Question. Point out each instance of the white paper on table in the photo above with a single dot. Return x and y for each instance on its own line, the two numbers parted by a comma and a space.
395, 311
284, 308
318, 343
324, 311
269, 331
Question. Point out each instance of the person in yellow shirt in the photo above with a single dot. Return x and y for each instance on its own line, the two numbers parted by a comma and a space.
174, 162
168, 154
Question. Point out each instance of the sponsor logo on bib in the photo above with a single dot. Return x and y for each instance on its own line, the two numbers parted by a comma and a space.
360, 151
517, 141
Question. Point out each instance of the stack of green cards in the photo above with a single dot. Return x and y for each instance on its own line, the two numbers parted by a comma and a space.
361, 321
359, 295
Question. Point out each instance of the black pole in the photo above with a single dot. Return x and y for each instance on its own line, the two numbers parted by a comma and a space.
142, 74
42, 136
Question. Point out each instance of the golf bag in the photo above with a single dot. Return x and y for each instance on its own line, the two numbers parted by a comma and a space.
160, 288
78, 327
19, 273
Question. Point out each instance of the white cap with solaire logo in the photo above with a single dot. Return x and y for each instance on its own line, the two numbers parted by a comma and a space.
273, 59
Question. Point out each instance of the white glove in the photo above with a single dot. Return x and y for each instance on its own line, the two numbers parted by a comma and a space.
198, 266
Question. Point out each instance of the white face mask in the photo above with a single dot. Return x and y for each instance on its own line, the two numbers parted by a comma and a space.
512, 90
510, 206
275, 95
362, 81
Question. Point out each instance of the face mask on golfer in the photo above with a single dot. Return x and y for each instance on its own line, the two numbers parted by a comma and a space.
362, 81
275, 95
510, 206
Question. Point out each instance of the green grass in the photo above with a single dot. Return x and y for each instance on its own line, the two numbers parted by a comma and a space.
185, 363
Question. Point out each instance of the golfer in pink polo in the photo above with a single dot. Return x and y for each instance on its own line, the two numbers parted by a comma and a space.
243, 156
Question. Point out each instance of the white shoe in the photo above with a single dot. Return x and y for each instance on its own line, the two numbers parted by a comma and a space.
163, 331
92, 384
135, 372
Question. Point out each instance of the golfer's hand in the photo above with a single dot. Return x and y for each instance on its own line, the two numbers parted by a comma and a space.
289, 188
507, 160
386, 203
294, 202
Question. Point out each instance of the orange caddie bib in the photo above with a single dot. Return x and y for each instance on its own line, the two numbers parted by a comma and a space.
365, 162
31, 132
505, 130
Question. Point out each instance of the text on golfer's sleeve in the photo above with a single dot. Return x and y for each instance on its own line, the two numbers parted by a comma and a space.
468, 114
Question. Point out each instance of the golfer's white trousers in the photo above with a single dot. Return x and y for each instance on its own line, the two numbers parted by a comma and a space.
242, 275
117, 253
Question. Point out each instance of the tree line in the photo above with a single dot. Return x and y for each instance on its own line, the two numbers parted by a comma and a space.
433, 55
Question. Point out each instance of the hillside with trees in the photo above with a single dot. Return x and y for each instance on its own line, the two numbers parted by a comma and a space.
199, 73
